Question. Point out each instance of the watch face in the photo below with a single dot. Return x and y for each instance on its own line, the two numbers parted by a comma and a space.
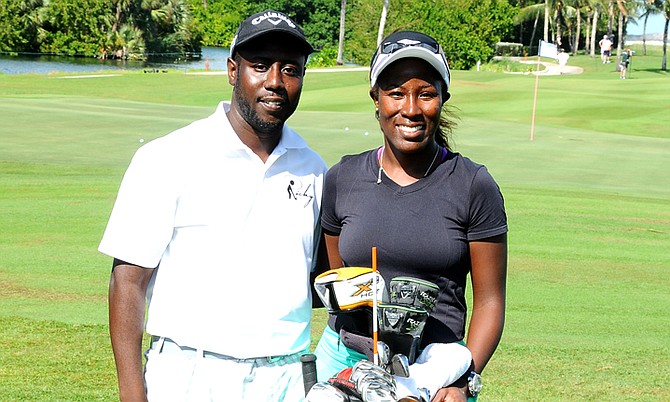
474, 383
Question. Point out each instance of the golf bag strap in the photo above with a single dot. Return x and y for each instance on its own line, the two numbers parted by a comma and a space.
360, 343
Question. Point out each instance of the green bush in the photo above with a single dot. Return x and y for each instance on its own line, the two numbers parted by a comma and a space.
326, 57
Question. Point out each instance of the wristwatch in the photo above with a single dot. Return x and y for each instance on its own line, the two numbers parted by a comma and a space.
474, 383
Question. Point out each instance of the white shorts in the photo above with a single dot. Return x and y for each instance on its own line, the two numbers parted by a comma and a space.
175, 373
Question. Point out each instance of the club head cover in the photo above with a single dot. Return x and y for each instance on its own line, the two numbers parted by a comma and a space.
349, 288
401, 319
413, 292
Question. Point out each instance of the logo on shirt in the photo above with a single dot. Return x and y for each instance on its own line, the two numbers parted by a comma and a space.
298, 192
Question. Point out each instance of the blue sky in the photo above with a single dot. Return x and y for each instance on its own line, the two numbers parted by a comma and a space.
655, 24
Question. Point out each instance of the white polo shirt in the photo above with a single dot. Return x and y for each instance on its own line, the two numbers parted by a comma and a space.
233, 237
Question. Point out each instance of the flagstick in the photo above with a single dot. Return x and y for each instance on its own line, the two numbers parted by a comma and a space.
537, 78
375, 324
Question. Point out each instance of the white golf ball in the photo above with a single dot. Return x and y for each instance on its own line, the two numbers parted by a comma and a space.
141, 140
366, 133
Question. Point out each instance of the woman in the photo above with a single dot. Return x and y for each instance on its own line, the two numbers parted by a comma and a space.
431, 213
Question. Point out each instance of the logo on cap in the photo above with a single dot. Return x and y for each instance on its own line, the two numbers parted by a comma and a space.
409, 42
273, 18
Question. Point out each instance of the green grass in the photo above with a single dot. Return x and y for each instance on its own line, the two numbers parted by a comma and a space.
588, 203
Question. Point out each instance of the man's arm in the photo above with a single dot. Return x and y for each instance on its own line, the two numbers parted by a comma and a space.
127, 304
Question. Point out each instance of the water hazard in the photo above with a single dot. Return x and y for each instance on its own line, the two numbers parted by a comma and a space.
213, 58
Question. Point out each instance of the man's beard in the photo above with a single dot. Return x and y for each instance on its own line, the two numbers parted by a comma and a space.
251, 117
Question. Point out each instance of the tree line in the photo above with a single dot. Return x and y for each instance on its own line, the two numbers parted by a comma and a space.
344, 31
579, 24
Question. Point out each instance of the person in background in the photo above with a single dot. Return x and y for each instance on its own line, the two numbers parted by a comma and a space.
605, 49
624, 63
562, 58
432, 214
205, 230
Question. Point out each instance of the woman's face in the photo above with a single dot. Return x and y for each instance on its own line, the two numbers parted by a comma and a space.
409, 100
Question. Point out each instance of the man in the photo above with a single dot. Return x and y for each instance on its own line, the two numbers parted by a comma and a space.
605, 49
562, 58
625, 61
203, 228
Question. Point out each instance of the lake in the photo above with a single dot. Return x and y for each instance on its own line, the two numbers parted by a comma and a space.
213, 57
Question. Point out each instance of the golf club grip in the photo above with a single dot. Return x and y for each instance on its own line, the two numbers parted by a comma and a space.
308, 370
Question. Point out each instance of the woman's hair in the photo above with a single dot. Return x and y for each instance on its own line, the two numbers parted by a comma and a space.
445, 130
448, 121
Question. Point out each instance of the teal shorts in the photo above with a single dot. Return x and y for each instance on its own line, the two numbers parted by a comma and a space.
332, 356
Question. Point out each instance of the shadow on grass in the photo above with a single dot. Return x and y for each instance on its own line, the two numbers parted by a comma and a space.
652, 70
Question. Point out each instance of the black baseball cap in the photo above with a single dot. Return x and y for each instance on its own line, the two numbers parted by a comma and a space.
268, 22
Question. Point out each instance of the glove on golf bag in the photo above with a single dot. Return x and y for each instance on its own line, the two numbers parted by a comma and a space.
365, 382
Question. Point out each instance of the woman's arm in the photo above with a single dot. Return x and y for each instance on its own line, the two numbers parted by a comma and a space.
489, 277
489, 271
333, 250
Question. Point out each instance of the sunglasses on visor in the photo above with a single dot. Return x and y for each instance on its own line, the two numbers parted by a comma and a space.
392, 47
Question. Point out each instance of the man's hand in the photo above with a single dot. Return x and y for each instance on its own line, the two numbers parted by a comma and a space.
450, 394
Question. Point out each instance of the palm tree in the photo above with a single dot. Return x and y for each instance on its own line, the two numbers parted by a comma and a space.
576, 10
530, 13
340, 45
382, 22
166, 29
30, 24
625, 9
622, 19
570, 14
120, 8
650, 7
127, 42
588, 8
587, 35
567, 20
557, 16
610, 17
594, 29
547, 11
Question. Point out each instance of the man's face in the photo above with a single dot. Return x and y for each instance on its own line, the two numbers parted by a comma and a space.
267, 76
